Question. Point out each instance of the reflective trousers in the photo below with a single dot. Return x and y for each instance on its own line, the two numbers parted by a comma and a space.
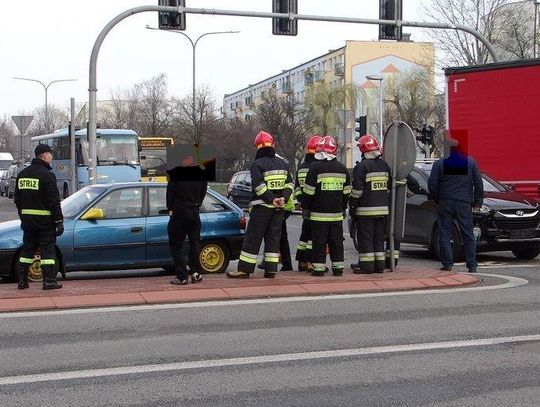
42, 241
331, 234
303, 249
184, 223
371, 233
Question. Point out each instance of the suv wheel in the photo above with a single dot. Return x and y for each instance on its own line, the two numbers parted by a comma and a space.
526, 253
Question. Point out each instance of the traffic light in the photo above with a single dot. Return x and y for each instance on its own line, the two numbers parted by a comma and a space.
387, 11
361, 126
284, 26
426, 136
172, 21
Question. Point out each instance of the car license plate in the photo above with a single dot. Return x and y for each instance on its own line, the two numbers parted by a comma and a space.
522, 233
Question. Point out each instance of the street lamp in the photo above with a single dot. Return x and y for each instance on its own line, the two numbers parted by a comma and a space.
536, 3
379, 78
193, 45
46, 88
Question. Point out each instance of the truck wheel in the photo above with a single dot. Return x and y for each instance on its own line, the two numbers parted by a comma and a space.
526, 253
214, 256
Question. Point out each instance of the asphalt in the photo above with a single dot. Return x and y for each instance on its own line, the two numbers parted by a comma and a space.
101, 292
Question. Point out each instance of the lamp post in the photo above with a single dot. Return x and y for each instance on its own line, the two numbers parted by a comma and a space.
380, 79
193, 46
536, 3
46, 88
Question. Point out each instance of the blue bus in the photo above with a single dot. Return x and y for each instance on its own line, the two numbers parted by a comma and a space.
117, 156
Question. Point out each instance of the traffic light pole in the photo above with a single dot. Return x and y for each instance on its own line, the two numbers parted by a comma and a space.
92, 88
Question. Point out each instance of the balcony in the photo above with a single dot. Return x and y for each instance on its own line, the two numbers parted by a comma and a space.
339, 69
286, 87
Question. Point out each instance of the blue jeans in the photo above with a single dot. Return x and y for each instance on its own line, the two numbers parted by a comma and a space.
461, 212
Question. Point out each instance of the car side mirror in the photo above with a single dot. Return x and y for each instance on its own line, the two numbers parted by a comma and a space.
93, 214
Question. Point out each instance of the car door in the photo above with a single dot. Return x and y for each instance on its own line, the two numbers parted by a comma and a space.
157, 238
418, 212
217, 218
118, 240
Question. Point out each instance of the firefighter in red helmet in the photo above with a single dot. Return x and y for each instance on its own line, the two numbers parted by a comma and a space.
369, 206
272, 186
303, 249
324, 199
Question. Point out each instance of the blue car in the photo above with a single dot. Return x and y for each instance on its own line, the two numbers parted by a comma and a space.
124, 226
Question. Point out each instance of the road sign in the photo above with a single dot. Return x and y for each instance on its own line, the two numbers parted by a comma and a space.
400, 154
22, 123
400, 137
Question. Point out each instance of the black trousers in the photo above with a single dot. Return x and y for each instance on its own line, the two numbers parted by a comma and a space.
181, 224
284, 248
371, 233
264, 223
42, 241
305, 244
331, 234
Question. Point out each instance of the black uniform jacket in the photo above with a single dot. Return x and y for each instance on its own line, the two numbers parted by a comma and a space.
370, 187
183, 195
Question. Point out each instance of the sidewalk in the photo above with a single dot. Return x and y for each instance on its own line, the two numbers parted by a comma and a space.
158, 290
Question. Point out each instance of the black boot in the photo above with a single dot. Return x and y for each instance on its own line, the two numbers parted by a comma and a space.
23, 278
49, 278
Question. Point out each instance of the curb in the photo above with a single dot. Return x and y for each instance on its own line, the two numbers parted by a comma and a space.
258, 288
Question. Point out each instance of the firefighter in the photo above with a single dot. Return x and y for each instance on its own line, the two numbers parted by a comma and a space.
324, 199
369, 206
38, 203
272, 186
303, 249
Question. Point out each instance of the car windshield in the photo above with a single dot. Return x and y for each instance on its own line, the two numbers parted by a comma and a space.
490, 185
75, 203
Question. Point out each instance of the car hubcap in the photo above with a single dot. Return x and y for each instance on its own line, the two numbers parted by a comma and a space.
212, 258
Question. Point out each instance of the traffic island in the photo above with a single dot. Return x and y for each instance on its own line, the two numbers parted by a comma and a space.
158, 290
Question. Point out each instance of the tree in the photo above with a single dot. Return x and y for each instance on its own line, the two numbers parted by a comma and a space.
7, 135
461, 48
411, 98
201, 127
288, 121
515, 23
57, 118
154, 110
324, 101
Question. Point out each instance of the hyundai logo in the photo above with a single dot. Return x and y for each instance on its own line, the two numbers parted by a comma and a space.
520, 213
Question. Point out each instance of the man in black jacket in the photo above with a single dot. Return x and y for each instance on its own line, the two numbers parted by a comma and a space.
456, 186
184, 199
38, 202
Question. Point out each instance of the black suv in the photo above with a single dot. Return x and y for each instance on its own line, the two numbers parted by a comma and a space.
239, 189
507, 220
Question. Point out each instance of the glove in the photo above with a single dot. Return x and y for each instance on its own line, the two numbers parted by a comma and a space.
59, 228
305, 214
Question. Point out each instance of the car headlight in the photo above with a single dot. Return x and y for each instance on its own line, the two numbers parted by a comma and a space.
485, 210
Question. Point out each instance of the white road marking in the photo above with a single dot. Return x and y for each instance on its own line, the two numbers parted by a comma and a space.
511, 282
284, 357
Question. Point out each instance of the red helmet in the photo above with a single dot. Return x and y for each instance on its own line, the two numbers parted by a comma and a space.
311, 146
368, 143
264, 139
327, 144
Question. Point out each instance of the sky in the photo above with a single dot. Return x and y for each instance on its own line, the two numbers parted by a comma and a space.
50, 40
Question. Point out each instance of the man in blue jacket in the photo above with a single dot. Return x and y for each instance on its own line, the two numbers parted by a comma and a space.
456, 186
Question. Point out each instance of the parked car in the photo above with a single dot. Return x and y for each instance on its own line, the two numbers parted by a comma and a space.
124, 226
239, 189
508, 221
13, 173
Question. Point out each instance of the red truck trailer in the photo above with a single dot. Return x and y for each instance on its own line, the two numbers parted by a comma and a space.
497, 107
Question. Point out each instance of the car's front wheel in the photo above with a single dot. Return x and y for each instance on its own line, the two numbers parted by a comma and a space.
526, 253
214, 256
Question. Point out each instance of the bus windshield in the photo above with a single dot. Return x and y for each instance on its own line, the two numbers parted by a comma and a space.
117, 149
5, 164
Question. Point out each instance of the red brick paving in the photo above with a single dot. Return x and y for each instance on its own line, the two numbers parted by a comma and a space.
153, 290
